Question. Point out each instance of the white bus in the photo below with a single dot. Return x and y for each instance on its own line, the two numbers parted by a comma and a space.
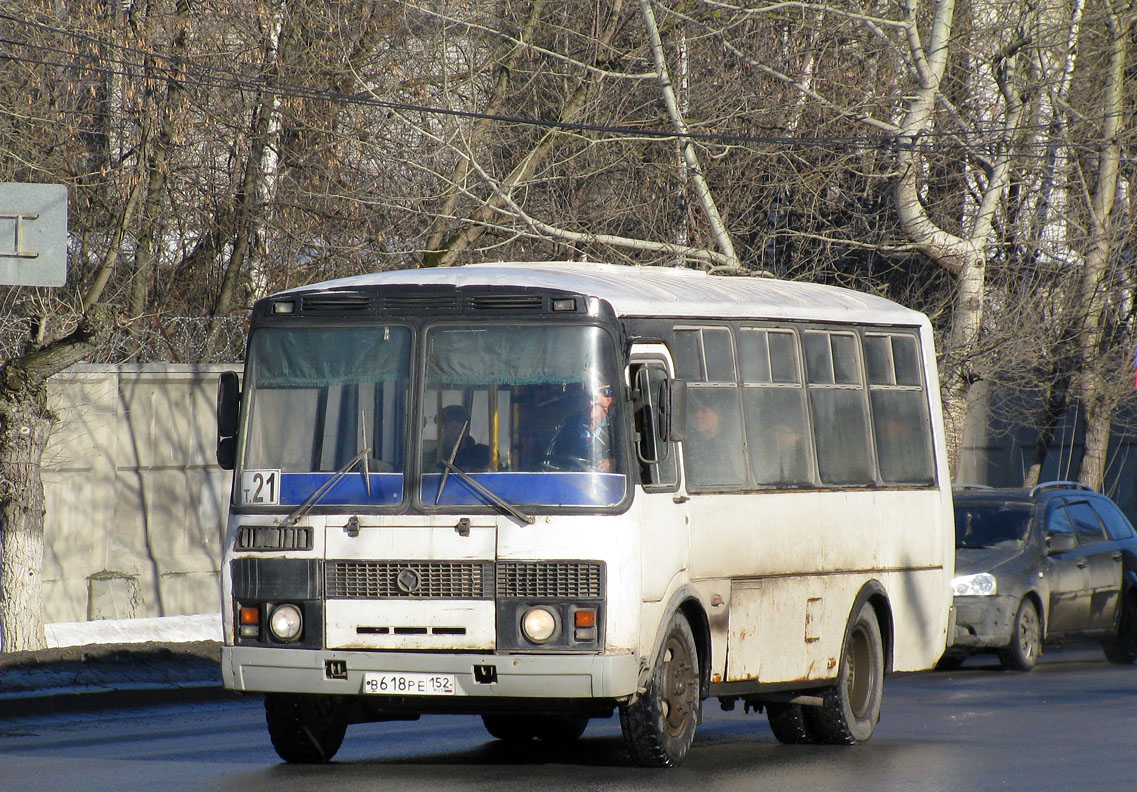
546, 492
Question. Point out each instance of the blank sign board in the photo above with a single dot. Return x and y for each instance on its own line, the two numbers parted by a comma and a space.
33, 234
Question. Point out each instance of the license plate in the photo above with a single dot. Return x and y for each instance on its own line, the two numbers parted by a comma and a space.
409, 684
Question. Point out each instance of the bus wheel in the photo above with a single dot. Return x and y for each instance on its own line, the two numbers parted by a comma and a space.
659, 726
850, 709
1122, 648
511, 728
305, 728
553, 728
789, 725
560, 728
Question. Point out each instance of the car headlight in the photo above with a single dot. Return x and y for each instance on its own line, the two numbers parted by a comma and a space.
285, 623
981, 584
539, 624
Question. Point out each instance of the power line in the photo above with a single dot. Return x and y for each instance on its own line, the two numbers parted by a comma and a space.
208, 76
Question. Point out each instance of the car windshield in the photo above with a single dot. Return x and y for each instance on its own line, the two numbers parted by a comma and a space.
991, 524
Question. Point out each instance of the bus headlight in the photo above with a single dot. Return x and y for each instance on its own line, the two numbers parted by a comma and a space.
978, 585
539, 624
285, 623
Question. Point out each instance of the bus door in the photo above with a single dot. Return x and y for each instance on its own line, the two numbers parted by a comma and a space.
660, 418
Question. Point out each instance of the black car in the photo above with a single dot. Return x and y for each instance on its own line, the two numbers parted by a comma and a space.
1056, 562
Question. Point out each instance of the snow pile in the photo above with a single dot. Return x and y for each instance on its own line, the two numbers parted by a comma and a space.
166, 629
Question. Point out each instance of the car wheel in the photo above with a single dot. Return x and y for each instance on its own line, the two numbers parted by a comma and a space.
789, 725
659, 726
1122, 648
851, 708
305, 728
1022, 653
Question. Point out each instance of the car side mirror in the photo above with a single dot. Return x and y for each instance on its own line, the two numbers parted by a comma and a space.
1058, 543
228, 412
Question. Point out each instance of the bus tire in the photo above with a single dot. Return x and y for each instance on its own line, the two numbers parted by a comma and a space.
305, 728
552, 728
564, 728
1122, 647
789, 724
659, 725
850, 709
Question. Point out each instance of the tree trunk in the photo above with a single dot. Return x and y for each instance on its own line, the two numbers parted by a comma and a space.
1056, 403
24, 428
1093, 391
25, 425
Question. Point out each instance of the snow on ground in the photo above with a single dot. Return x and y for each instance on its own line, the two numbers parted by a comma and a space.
167, 629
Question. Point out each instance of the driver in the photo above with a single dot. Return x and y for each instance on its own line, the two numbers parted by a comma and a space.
453, 423
587, 435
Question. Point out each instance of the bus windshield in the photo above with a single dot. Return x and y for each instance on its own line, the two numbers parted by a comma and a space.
528, 415
318, 397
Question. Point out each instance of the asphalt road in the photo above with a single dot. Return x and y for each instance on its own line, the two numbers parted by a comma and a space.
1069, 725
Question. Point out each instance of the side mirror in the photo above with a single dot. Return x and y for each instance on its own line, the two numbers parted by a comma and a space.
675, 419
228, 412
1057, 543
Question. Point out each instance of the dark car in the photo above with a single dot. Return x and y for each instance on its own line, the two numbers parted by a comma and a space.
1054, 563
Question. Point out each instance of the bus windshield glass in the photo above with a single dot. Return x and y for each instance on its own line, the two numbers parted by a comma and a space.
531, 413
508, 416
318, 398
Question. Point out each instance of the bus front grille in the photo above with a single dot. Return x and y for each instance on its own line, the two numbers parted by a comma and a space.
550, 579
464, 580
409, 580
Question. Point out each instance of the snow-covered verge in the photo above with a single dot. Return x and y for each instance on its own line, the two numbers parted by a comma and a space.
166, 629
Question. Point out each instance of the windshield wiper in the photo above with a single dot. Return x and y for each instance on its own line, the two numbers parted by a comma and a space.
489, 495
323, 489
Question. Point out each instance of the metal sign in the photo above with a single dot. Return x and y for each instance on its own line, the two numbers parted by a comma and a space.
33, 234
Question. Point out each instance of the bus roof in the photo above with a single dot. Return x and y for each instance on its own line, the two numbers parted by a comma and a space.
656, 291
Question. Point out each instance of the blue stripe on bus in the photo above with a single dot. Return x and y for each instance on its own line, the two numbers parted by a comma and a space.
549, 489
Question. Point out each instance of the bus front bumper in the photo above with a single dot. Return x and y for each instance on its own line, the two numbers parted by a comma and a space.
334, 672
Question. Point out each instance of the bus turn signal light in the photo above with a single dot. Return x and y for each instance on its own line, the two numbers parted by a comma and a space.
250, 621
584, 625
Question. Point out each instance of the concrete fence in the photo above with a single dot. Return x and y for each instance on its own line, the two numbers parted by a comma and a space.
135, 502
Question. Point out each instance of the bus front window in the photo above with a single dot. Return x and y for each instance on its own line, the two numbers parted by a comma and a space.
530, 413
319, 397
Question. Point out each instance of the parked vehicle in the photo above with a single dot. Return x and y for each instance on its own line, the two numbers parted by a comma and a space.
1054, 563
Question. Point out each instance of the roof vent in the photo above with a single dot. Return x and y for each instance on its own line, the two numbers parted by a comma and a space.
335, 302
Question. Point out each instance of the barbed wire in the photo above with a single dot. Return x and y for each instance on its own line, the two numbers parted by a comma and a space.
159, 339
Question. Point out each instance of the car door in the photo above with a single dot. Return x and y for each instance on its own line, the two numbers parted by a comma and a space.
1103, 560
1067, 575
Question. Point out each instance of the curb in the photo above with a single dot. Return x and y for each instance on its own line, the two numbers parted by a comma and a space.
95, 698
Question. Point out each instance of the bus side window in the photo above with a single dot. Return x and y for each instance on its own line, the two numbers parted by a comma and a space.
661, 473
714, 450
839, 408
899, 409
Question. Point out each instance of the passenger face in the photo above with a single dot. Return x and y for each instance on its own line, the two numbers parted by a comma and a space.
707, 421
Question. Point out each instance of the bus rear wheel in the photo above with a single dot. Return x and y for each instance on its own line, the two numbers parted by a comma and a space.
850, 709
305, 728
553, 728
789, 724
659, 726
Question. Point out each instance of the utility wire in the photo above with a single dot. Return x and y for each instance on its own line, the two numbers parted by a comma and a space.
193, 73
